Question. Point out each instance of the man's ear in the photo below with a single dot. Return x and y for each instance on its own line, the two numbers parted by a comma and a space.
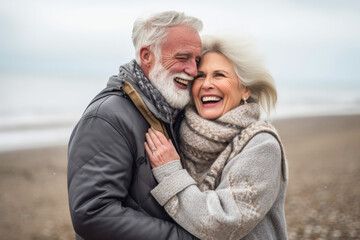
147, 58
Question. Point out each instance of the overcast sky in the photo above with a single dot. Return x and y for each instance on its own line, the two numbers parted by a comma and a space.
310, 41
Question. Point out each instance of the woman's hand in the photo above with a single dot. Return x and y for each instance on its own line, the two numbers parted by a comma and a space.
159, 149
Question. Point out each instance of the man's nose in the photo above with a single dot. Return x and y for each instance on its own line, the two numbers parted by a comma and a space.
191, 69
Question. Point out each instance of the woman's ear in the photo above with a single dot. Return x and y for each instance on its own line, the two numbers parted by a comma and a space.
246, 93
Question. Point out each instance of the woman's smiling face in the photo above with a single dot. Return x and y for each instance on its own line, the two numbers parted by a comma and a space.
216, 89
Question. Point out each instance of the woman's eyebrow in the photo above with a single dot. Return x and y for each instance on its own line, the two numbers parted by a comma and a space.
220, 71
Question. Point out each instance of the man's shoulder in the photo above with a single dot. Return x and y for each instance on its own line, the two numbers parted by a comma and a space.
115, 111
112, 107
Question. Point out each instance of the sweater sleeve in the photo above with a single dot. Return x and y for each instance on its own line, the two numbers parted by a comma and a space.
249, 185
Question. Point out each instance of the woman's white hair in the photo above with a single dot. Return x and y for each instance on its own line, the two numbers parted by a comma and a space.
248, 65
154, 30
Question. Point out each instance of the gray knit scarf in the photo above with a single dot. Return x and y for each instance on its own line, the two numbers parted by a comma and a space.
207, 145
166, 112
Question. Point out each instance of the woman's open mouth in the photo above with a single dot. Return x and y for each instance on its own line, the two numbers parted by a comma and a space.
210, 99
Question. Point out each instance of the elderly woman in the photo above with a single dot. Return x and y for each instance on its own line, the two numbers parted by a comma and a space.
231, 180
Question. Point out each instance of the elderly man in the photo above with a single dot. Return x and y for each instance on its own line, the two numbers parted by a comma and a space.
109, 174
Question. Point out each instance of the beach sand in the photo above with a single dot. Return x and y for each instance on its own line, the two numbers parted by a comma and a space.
323, 197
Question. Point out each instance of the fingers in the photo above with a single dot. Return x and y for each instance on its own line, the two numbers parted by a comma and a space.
155, 137
149, 140
147, 148
159, 149
150, 143
150, 154
159, 135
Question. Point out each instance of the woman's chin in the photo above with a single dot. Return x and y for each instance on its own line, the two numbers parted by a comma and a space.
212, 110
210, 113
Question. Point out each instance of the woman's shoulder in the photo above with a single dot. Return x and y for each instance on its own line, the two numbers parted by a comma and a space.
261, 155
259, 133
264, 142
266, 150
264, 138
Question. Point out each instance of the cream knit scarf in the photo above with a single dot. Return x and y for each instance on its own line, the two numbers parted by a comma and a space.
207, 145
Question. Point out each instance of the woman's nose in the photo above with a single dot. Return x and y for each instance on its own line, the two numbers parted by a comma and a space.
207, 84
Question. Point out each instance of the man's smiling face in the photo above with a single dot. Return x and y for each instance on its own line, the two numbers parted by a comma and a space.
180, 54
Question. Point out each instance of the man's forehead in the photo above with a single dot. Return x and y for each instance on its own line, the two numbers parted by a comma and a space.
182, 41
184, 35
184, 45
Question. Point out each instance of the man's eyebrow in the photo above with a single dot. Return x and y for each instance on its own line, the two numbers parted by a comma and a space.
183, 54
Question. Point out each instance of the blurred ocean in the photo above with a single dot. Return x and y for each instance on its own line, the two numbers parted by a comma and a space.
38, 111
310, 46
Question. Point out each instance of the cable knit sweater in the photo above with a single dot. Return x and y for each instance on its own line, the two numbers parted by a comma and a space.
235, 186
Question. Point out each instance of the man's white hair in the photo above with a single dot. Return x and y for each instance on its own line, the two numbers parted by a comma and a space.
154, 30
248, 65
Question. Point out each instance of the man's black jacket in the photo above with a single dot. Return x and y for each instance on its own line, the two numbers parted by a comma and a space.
109, 174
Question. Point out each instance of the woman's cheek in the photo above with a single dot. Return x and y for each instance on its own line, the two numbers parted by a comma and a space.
195, 87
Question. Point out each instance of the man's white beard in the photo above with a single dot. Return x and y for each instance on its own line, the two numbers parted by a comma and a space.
163, 80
